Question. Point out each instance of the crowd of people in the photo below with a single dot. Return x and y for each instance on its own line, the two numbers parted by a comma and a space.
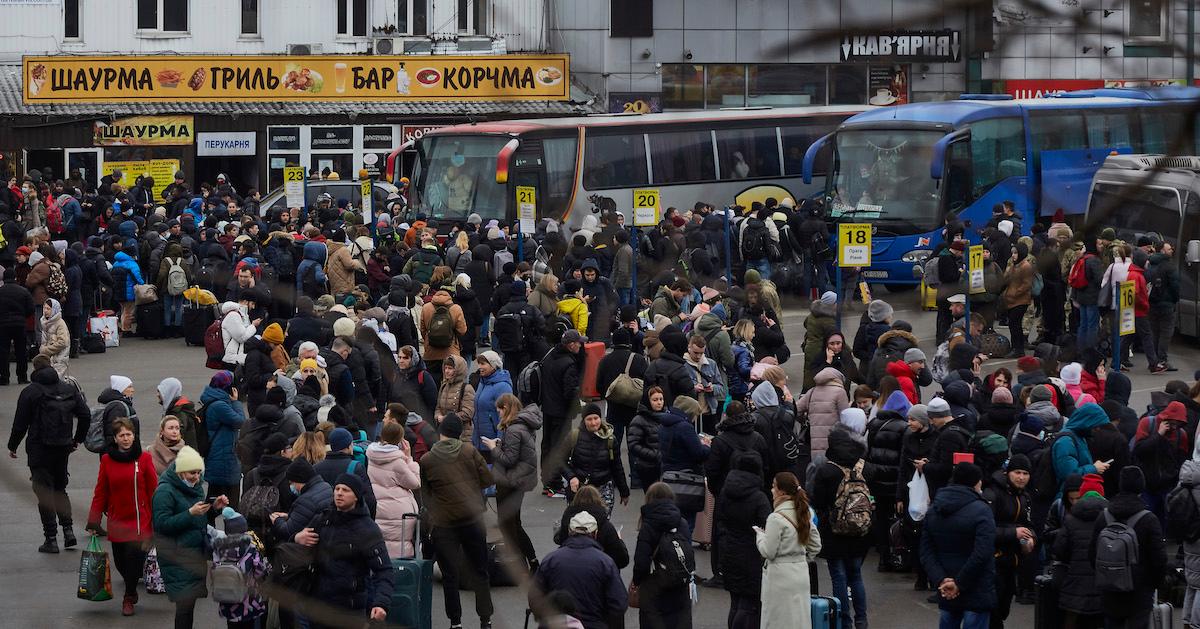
367, 378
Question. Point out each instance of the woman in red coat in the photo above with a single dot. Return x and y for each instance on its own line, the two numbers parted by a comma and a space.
124, 491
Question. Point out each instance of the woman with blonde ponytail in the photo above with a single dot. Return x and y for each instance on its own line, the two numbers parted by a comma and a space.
787, 544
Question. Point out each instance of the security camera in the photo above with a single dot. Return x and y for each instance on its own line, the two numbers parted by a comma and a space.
687, 54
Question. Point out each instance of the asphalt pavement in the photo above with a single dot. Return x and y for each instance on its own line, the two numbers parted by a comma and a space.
38, 590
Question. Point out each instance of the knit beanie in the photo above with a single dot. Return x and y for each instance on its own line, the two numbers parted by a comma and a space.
1002, 396
1071, 373
451, 426
188, 460
1094, 482
967, 474
1133, 481
1041, 393
340, 439
300, 471
235, 523
1018, 462
343, 327
879, 311
591, 409
920, 413
273, 334
354, 483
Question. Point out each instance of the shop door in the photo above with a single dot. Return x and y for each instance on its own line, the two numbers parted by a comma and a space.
87, 162
43, 161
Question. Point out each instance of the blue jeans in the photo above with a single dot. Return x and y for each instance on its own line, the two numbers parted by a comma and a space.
762, 265
172, 310
846, 577
484, 335
625, 296
955, 619
1089, 325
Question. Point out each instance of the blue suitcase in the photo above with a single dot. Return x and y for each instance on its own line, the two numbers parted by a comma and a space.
412, 597
826, 612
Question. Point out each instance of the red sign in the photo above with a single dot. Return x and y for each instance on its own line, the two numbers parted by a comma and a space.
1037, 88
408, 133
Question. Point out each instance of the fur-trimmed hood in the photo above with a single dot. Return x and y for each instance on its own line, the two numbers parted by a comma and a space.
898, 336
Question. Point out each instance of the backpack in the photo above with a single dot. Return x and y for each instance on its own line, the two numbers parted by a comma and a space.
941, 362
95, 441
202, 441
1077, 278
674, 559
1117, 552
56, 282
228, 578
1183, 515
529, 382
54, 218
501, 258
1039, 284
755, 240
214, 346
206, 277
249, 446
259, 502
56, 417
510, 332
931, 272
176, 277
1045, 480
783, 448
853, 506
424, 267
441, 328
310, 285
558, 326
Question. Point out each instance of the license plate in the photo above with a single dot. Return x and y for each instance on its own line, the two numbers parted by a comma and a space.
881, 275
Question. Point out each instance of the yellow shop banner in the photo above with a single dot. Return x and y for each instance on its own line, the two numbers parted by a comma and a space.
145, 131
171, 78
162, 170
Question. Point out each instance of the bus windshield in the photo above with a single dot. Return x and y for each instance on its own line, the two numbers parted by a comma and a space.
1135, 211
459, 177
882, 176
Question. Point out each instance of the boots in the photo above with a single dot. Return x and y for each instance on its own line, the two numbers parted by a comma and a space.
69, 540
127, 605
74, 348
50, 545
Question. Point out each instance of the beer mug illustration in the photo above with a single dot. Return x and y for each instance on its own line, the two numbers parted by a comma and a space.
339, 77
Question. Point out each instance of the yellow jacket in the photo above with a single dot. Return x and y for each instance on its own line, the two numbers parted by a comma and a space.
577, 310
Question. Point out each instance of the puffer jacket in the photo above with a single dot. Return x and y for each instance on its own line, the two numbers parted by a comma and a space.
313, 263
181, 549
456, 395
56, 341
1071, 453
606, 534
223, 417
900, 370
866, 340
1148, 571
885, 439
314, 497
680, 448
487, 417
741, 505
442, 298
235, 331
595, 458
351, 545
1073, 545
257, 370
957, 542
735, 433
845, 450
891, 347
642, 439
340, 267
817, 327
824, 404
515, 461
453, 476
710, 326
132, 274
1052, 420
394, 477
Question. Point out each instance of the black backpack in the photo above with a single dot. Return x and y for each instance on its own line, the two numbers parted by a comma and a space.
57, 418
1045, 480
783, 446
674, 559
755, 240
1183, 514
510, 332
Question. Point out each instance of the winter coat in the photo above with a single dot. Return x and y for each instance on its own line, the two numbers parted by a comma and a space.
122, 261
866, 340
1073, 545
595, 458
1000, 418
642, 439
112, 411
885, 440
606, 533
706, 373
416, 389
561, 376
56, 342
680, 448
1071, 454
958, 396
1105, 443
670, 372
916, 446
580, 568
612, 366
785, 584
824, 403
394, 477
340, 267
456, 395
124, 490
353, 568
1148, 571
951, 438
1046, 411
1189, 475
337, 463
576, 310
908, 381
741, 505
546, 303
735, 435
817, 327
16, 304
1018, 279
1012, 508
1093, 268
180, 536
223, 418
473, 313
442, 298
313, 265
844, 452
236, 329
891, 347
257, 370
957, 542
658, 518
515, 460
453, 477
739, 376
186, 412
304, 327
487, 417
314, 497
719, 345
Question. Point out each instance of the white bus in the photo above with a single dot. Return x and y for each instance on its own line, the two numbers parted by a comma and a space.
719, 157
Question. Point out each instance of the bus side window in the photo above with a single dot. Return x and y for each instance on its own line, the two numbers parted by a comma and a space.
957, 178
615, 161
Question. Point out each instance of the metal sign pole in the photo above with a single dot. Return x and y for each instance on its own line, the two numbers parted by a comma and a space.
728, 250
633, 290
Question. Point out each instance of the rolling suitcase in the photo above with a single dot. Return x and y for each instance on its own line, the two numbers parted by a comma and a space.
826, 612
1046, 614
703, 535
196, 320
592, 353
149, 319
1162, 615
412, 597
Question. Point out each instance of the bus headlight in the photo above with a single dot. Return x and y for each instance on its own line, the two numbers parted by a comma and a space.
916, 256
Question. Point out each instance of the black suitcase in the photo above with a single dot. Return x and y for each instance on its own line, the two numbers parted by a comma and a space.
92, 344
196, 320
149, 319
1046, 614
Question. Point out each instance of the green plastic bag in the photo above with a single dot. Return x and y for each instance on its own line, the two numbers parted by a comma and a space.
95, 578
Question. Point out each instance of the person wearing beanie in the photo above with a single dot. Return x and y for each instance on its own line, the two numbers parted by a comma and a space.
957, 546
270, 471
1069, 537
1002, 414
117, 401
519, 330
223, 419
258, 369
1133, 609
951, 437
453, 477
243, 550
456, 395
562, 370
451, 328
917, 445
181, 514
344, 459
873, 324
885, 436
818, 326
1007, 493
594, 458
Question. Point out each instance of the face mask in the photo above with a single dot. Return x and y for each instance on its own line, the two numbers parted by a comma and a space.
457, 159
295, 491
190, 483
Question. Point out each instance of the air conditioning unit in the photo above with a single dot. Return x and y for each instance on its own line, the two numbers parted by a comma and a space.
475, 45
304, 49
415, 46
388, 45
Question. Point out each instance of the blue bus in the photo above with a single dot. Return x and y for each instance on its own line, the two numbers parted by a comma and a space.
904, 169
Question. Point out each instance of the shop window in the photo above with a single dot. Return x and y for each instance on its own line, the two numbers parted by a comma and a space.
631, 18
71, 19
614, 161
683, 86
352, 18
163, 15
726, 86
747, 153
997, 152
848, 85
249, 17
1146, 22
786, 85
682, 157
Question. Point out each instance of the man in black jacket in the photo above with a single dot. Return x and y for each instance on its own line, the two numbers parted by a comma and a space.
669, 370
45, 409
519, 330
1132, 609
957, 545
951, 438
306, 326
16, 305
561, 373
1015, 538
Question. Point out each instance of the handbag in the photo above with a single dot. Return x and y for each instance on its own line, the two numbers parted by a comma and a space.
152, 574
688, 489
635, 597
626, 390
145, 294
95, 577
994, 344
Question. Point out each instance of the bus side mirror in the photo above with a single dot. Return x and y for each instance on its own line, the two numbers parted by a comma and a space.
1193, 251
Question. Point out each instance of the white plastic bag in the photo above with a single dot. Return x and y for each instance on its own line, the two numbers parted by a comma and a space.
918, 497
